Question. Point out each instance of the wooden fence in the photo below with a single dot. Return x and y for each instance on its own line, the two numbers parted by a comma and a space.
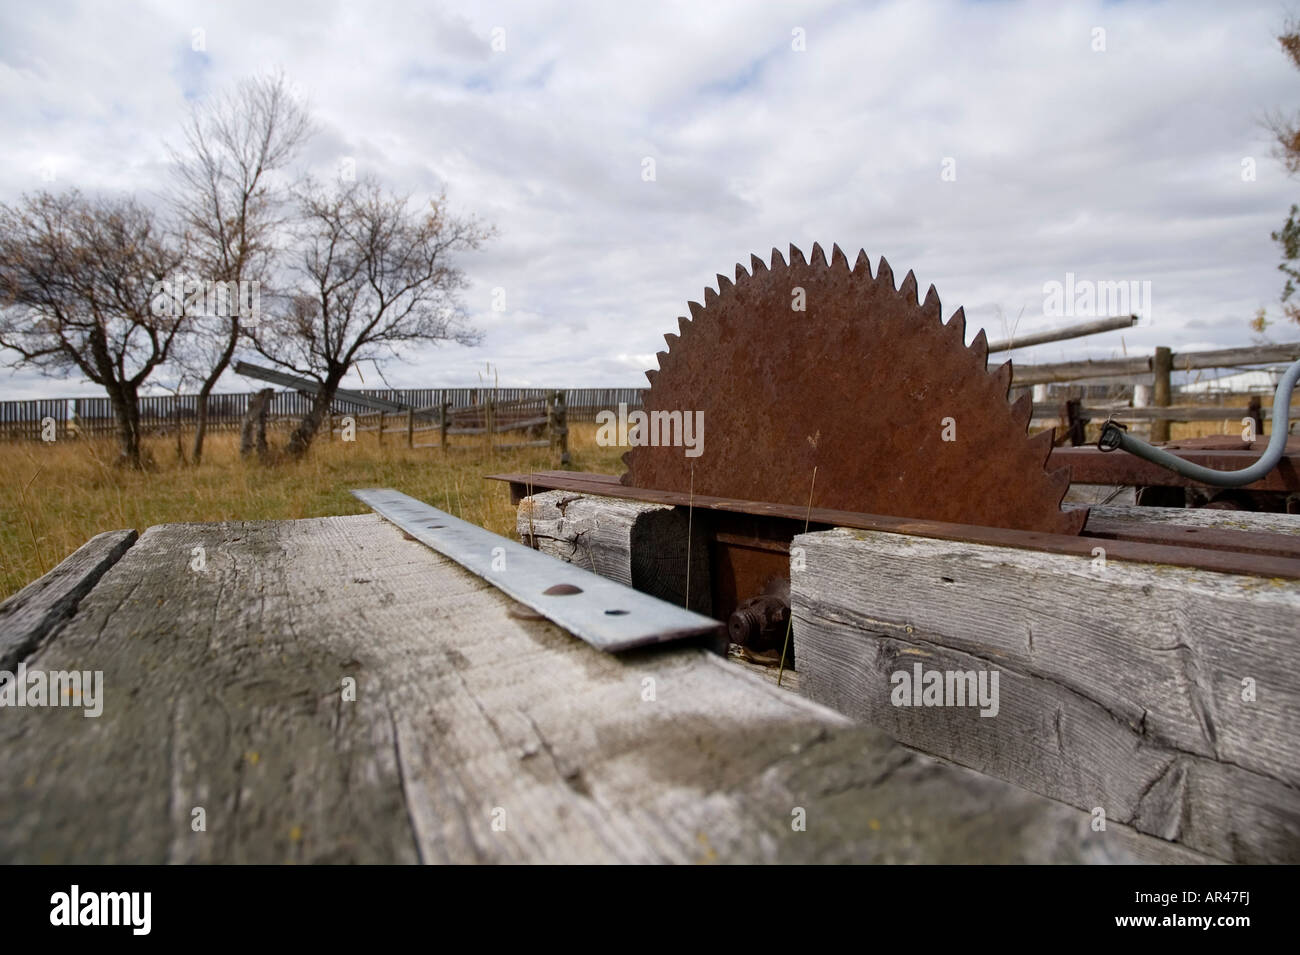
1148, 408
162, 414
1154, 410
540, 421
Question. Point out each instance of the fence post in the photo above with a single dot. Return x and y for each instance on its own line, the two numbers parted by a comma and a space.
1256, 410
176, 419
443, 406
557, 425
410, 427
252, 432
1075, 423
1162, 366
380, 432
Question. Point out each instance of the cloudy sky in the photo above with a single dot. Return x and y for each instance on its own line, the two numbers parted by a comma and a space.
1108, 140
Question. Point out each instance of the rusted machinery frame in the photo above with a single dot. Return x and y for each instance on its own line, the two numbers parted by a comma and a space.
1092, 466
1237, 552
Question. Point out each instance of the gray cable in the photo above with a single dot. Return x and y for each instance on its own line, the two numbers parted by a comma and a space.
1113, 436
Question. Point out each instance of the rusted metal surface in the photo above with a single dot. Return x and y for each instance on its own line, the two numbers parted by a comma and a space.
746, 553
1231, 442
1146, 546
1091, 466
760, 622
1208, 538
864, 383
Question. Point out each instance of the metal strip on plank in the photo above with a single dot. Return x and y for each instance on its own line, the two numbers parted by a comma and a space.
608, 615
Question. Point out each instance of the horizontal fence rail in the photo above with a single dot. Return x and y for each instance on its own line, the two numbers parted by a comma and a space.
163, 413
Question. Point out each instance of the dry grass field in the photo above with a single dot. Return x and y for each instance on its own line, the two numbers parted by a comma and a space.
54, 497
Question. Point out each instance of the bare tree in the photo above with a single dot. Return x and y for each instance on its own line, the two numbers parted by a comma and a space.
372, 275
78, 278
232, 211
1286, 148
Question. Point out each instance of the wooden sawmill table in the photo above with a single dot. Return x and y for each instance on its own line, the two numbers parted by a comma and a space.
478, 733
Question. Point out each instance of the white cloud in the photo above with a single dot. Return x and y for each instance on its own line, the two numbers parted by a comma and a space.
1116, 165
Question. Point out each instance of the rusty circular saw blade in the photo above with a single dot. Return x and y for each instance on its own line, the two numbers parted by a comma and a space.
860, 385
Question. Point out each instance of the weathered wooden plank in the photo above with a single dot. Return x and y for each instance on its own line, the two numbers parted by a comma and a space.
223, 692
1121, 686
1265, 523
639, 544
1181, 361
1077, 330
28, 616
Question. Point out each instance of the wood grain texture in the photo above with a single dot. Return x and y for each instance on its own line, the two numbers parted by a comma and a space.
1200, 517
639, 544
30, 615
1120, 687
223, 690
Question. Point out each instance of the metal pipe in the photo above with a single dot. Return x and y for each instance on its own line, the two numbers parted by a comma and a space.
1114, 436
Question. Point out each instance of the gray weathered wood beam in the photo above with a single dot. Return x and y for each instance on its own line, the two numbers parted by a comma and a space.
638, 544
473, 733
1063, 334
1122, 686
30, 615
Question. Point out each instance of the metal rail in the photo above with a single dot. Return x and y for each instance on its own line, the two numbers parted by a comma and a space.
603, 612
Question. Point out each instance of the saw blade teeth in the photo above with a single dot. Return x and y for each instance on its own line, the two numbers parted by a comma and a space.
908, 289
885, 275
1060, 482
1022, 409
931, 306
958, 323
1040, 449
1075, 521
624, 458
1002, 377
862, 266
914, 340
